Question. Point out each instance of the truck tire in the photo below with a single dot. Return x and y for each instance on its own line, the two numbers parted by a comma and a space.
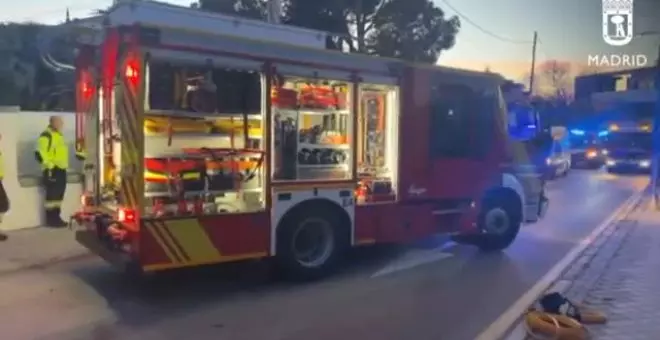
311, 241
499, 221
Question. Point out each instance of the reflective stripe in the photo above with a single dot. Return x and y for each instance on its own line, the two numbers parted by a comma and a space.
191, 175
52, 204
154, 175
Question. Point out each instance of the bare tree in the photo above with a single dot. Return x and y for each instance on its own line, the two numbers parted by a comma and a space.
555, 79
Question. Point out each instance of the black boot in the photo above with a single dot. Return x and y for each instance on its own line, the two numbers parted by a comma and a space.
58, 218
53, 219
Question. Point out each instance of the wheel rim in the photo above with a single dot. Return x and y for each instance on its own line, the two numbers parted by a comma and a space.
496, 221
313, 242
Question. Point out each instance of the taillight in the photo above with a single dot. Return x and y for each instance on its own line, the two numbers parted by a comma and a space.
592, 153
126, 215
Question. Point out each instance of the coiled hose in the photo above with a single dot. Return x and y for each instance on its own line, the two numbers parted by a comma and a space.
548, 326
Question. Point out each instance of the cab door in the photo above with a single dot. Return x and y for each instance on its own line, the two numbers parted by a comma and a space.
460, 145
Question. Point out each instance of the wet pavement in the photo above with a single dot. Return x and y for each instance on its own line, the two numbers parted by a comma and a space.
453, 296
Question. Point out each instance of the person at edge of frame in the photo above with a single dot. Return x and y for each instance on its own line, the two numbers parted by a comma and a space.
53, 155
655, 159
4, 200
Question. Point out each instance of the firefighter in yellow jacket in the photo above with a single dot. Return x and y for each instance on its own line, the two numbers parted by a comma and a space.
53, 155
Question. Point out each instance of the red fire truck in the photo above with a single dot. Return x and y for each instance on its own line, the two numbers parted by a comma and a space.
217, 139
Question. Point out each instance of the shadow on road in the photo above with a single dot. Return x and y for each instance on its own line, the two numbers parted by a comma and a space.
242, 301
172, 294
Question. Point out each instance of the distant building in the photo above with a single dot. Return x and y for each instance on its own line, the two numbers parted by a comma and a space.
630, 92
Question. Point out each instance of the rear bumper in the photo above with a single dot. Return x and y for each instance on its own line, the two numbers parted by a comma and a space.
90, 240
582, 161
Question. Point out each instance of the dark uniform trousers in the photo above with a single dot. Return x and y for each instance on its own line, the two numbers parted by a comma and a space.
54, 182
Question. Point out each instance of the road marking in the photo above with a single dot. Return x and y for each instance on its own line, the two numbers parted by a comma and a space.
498, 329
414, 258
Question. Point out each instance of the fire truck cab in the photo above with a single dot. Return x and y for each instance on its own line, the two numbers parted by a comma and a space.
217, 139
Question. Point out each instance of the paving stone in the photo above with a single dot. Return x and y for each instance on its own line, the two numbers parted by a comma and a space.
622, 278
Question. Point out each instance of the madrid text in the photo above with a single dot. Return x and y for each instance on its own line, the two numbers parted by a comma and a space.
617, 60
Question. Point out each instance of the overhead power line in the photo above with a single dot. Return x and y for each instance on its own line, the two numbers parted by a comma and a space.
482, 29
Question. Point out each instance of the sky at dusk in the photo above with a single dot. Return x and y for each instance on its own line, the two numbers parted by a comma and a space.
569, 30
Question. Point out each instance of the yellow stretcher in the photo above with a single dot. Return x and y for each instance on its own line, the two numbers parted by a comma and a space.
158, 125
162, 125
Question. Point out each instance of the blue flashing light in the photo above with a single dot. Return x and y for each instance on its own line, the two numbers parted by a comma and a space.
603, 133
531, 126
577, 132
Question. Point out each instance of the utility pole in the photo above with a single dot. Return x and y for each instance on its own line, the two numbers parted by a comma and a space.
533, 71
537, 115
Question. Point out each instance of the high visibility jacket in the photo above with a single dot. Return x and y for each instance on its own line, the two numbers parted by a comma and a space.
52, 150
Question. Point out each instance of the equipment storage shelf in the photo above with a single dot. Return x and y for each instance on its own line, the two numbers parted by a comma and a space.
203, 141
312, 129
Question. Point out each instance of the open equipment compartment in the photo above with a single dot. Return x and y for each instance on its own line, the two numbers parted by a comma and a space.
203, 140
378, 144
312, 129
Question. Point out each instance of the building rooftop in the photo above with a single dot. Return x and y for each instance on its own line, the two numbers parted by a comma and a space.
614, 73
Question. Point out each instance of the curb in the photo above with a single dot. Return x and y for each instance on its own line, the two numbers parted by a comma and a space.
508, 326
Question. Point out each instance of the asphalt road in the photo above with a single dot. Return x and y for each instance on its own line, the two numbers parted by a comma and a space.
454, 296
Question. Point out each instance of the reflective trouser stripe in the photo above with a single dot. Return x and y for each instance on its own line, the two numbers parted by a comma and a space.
52, 204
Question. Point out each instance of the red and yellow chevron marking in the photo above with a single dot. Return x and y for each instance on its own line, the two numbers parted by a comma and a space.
186, 244
130, 137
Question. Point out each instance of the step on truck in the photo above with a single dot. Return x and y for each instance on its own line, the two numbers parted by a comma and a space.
215, 139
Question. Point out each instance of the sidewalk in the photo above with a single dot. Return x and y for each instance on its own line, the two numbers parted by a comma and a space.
36, 247
620, 276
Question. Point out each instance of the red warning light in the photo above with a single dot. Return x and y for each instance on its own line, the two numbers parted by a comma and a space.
126, 215
86, 86
132, 73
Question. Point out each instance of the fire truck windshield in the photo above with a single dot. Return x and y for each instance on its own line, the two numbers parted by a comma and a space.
636, 140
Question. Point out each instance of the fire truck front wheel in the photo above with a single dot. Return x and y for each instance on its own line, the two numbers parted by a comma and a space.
499, 221
311, 240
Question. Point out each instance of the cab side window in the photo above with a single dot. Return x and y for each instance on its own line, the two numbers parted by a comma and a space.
452, 110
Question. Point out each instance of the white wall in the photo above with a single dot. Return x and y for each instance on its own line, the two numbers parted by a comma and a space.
20, 131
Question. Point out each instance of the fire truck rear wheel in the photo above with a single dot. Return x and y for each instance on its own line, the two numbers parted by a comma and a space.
311, 240
499, 221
